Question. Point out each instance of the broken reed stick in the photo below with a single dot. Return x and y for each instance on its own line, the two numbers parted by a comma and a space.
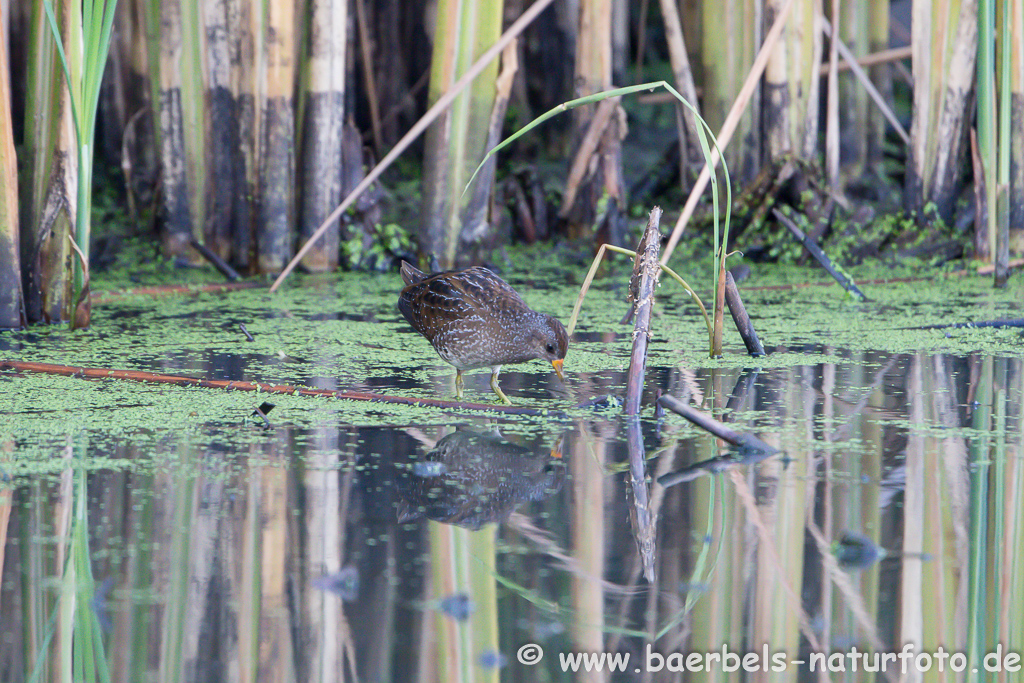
642, 284
815, 251
740, 317
713, 426
181, 381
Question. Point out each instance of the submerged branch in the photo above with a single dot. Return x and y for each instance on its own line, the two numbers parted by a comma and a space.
719, 429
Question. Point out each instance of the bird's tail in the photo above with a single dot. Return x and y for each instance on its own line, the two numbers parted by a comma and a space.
411, 275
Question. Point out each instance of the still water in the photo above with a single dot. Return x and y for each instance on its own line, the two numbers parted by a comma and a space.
171, 534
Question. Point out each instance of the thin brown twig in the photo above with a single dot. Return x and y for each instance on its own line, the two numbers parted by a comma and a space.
231, 385
875, 58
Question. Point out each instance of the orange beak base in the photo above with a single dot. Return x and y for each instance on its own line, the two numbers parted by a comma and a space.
557, 364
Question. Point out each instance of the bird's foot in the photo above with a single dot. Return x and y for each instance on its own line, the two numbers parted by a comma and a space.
496, 389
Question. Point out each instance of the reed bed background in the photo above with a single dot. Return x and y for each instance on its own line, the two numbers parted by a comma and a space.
240, 126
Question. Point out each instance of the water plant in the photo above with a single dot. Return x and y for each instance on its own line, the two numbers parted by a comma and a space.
86, 27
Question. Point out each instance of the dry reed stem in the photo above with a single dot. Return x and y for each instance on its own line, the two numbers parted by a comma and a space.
855, 66
642, 286
581, 162
371, 81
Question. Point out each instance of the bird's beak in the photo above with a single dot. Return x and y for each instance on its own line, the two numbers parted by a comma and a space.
557, 364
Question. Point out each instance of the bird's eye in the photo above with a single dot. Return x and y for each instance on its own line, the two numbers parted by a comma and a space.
551, 348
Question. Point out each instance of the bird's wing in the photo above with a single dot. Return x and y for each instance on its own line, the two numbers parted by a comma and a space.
490, 292
433, 305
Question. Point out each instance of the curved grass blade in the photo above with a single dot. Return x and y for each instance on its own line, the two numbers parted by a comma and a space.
703, 133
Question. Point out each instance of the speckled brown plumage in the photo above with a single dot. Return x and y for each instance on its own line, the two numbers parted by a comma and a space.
474, 319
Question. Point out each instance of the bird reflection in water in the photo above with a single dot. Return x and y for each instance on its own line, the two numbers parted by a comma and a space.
470, 479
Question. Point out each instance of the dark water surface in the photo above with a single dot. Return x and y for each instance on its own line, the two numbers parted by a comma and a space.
373, 542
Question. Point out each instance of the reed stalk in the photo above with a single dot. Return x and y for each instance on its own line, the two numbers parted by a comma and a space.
12, 305
274, 645
83, 43
452, 653
912, 589
1013, 575
980, 462
854, 105
1010, 49
945, 45
1013, 46
730, 36
457, 142
276, 139
599, 195
221, 129
246, 55
683, 74
988, 135
323, 120
49, 198
174, 176
881, 77
792, 86
587, 548
77, 651
432, 114
174, 561
482, 559
321, 615
998, 500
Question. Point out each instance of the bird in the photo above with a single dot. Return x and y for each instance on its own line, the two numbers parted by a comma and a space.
474, 319
470, 479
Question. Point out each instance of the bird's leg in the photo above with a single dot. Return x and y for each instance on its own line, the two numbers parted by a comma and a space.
459, 384
494, 385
